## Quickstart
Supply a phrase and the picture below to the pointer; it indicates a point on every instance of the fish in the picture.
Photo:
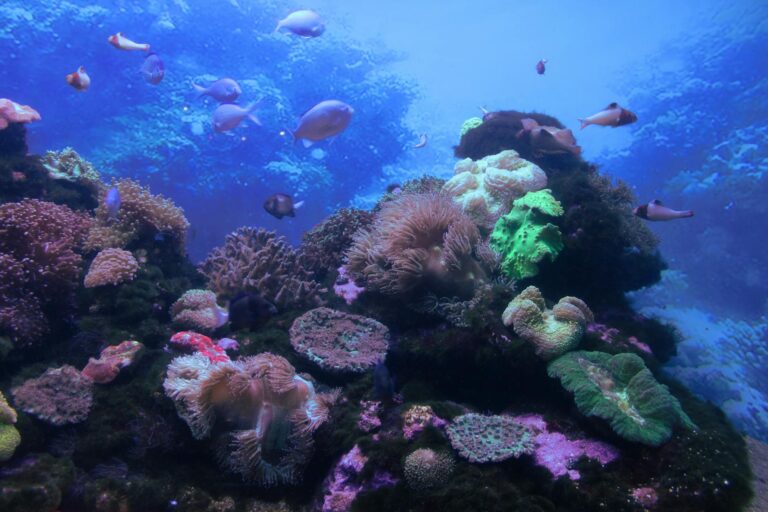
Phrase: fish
(228, 116)
(281, 205)
(383, 383)
(249, 310)
(613, 115)
(395, 189)
(79, 79)
(549, 139)
(224, 90)
(153, 69)
(657, 212)
(540, 66)
(422, 141)
(487, 114)
(326, 119)
(112, 203)
(304, 23)
(121, 42)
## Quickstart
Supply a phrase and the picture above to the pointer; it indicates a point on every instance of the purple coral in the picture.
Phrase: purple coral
(345, 287)
(344, 483)
(339, 341)
(60, 396)
(369, 415)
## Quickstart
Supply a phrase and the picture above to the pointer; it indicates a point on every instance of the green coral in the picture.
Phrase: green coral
(621, 390)
(480, 438)
(9, 436)
(472, 122)
(523, 237)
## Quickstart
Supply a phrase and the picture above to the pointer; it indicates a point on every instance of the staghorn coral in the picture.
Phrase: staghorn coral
(67, 165)
(426, 469)
(622, 391)
(258, 260)
(198, 310)
(339, 341)
(9, 436)
(480, 438)
(60, 396)
(111, 266)
(552, 331)
(141, 214)
(486, 188)
(273, 412)
(420, 243)
(322, 247)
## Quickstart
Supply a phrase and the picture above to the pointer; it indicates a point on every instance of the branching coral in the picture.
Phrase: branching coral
(552, 331)
(622, 391)
(322, 247)
(258, 260)
(417, 244)
(480, 438)
(272, 411)
(524, 237)
(111, 266)
(141, 214)
(198, 310)
(60, 396)
(486, 188)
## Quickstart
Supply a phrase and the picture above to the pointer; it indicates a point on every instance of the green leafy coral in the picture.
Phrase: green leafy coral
(524, 236)
(621, 390)
(9, 436)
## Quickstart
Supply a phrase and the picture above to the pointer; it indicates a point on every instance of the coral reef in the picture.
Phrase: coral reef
(111, 266)
(258, 260)
(323, 247)
(480, 438)
(552, 331)
(346, 288)
(198, 310)
(12, 112)
(345, 482)
(486, 188)
(419, 417)
(67, 165)
(427, 469)
(9, 436)
(338, 341)
(621, 390)
(111, 360)
(60, 396)
(524, 236)
(200, 344)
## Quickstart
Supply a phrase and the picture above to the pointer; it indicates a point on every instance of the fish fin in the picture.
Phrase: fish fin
(690, 213)
(657, 202)
(529, 124)
(484, 110)
(298, 205)
(200, 90)
(307, 143)
(278, 27)
(146, 48)
(584, 123)
(613, 105)
(254, 119)
(81, 69)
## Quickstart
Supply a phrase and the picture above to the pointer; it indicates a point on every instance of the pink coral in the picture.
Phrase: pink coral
(12, 112)
(196, 342)
(344, 483)
(111, 266)
(345, 287)
(111, 360)
(60, 396)
(369, 415)
(197, 309)
(645, 496)
(419, 417)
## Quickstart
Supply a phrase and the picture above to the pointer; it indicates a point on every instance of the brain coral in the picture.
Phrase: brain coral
(480, 438)
(427, 469)
(60, 396)
(523, 237)
(486, 188)
(339, 341)
(420, 243)
(271, 412)
(622, 391)
(552, 331)
(198, 310)
(258, 260)
(111, 266)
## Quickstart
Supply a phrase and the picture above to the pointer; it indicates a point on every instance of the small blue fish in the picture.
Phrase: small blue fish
(153, 69)
(224, 90)
(112, 203)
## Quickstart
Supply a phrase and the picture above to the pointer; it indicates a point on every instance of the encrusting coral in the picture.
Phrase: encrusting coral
(552, 331)
(69, 166)
(479, 438)
(258, 260)
(60, 396)
(486, 188)
(198, 310)
(9, 436)
(111, 266)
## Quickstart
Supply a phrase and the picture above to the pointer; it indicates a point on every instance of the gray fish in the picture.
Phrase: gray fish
(224, 90)
(281, 205)
(229, 116)
(112, 203)
(303, 23)
(326, 119)
(657, 211)
(153, 69)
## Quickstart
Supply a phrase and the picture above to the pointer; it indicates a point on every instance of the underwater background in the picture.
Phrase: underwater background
(688, 299)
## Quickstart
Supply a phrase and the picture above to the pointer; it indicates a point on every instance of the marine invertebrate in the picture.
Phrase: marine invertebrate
(369, 415)
(622, 391)
(271, 410)
(199, 343)
(345, 287)
(258, 260)
(486, 188)
(470, 124)
(67, 165)
(419, 417)
(524, 236)
(552, 331)
(427, 469)
(198, 310)
(12, 112)
(9, 436)
(345, 482)
(141, 214)
(420, 243)
(479, 438)
(60, 396)
(338, 341)
(111, 360)
(323, 247)
(111, 266)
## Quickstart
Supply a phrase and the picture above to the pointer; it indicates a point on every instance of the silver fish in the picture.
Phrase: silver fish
(303, 23)
(224, 90)
(228, 116)
(326, 119)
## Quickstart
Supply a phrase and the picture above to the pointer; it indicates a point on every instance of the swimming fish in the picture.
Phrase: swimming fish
(326, 119)
(613, 115)
(303, 23)
(112, 203)
(79, 79)
(121, 42)
(487, 114)
(422, 141)
(657, 211)
(249, 310)
(228, 116)
(153, 69)
(224, 90)
(540, 66)
(549, 139)
(281, 205)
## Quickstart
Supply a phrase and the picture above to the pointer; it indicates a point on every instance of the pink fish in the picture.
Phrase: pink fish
(613, 115)
(540, 66)
(657, 211)
(121, 42)
(228, 116)
(303, 23)
(422, 141)
(79, 79)
(549, 139)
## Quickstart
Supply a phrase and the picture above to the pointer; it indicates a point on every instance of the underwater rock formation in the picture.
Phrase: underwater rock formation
(111, 266)
(9, 436)
(479, 438)
(198, 310)
(258, 260)
(60, 396)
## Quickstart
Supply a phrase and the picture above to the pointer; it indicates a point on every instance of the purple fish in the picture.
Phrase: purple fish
(304, 23)
(229, 116)
(540, 66)
(326, 119)
(153, 69)
(657, 211)
(224, 90)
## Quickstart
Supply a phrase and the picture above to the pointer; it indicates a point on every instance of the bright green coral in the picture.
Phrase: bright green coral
(552, 331)
(524, 237)
(621, 390)
(9, 436)
(472, 122)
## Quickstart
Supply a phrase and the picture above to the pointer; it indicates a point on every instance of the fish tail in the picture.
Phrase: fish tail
(298, 205)
(277, 28)
(145, 47)
(584, 123)
(200, 90)
(689, 213)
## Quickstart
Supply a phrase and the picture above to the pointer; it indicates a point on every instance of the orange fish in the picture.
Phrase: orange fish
(121, 42)
(79, 79)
